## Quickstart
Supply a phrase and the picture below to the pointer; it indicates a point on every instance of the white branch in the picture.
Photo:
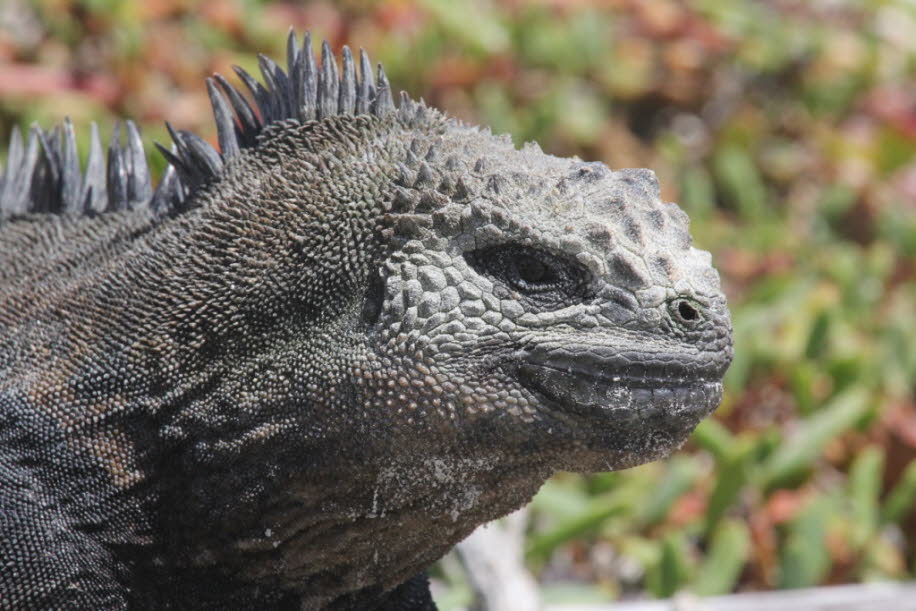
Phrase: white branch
(493, 559)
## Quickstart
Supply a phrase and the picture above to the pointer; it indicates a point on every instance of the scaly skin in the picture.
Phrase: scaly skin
(366, 337)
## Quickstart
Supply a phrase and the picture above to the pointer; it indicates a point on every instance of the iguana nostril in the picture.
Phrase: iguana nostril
(687, 312)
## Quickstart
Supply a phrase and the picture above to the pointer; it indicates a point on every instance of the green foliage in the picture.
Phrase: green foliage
(673, 568)
(797, 454)
(804, 558)
(728, 551)
(784, 129)
(902, 497)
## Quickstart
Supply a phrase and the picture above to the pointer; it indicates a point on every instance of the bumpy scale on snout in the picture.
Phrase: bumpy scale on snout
(554, 300)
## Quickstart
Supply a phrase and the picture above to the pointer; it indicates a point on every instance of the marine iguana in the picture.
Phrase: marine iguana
(301, 368)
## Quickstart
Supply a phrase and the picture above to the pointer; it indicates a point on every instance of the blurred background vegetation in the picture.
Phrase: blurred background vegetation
(786, 129)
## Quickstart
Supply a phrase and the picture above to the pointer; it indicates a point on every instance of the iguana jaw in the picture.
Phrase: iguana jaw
(676, 399)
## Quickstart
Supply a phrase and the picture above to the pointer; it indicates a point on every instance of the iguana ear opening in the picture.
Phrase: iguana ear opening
(374, 299)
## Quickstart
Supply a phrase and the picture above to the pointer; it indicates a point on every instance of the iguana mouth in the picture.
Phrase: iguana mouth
(635, 393)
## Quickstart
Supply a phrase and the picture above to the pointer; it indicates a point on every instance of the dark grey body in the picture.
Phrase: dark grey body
(298, 377)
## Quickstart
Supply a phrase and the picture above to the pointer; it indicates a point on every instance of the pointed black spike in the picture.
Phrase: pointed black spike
(328, 84)
(277, 86)
(9, 196)
(139, 185)
(94, 192)
(225, 125)
(13, 154)
(419, 111)
(383, 103)
(71, 178)
(248, 81)
(117, 172)
(347, 100)
(261, 97)
(48, 141)
(46, 179)
(25, 174)
(292, 69)
(191, 173)
(201, 154)
(47, 174)
(268, 72)
(170, 193)
(72, 188)
(180, 150)
(292, 50)
(269, 89)
(406, 108)
(284, 92)
(186, 175)
(249, 124)
(309, 81)
(366, 90)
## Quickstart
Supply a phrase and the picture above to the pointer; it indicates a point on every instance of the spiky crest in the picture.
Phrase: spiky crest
(43, 174)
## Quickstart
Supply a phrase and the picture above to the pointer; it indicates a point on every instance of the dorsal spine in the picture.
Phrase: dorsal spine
(43, 174)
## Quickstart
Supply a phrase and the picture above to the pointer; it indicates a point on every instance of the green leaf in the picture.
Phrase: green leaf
(669, 575)
(741, 182)
(725, 559)
(697, 192)
(803, 378)
(713, 437)
(680, 477)
(819, 336)
(900, 501)
(804, 559)
(864, 487)
(484, 33)
(790, 461)
(589, 518)
(731, 479)
(561, 498)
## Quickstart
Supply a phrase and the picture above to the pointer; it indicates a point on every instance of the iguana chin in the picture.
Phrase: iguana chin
(300, 369)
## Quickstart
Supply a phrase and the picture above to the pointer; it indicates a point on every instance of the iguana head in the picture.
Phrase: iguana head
(554, 300)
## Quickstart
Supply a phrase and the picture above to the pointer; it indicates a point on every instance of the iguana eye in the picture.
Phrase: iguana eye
(530, 271)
